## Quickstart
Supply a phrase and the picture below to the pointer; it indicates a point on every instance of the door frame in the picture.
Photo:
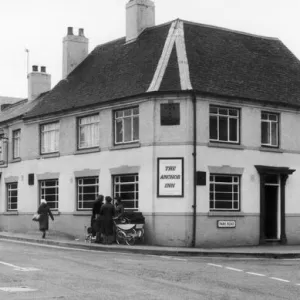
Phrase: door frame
(283, 173)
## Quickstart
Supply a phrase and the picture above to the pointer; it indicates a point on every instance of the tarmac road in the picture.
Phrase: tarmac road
(29, 271)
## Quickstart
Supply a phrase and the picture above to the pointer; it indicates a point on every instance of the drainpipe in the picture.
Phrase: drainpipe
(194, 206)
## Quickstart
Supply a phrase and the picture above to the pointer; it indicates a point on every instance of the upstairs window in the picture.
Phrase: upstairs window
(88, 132)
(49, 138)
(269, 129)
(224, 124)
(126, 124)
(16, 135)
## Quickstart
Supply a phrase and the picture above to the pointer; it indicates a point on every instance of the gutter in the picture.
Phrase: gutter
(194, 206)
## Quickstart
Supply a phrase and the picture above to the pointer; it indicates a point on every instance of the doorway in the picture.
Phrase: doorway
(272, 207)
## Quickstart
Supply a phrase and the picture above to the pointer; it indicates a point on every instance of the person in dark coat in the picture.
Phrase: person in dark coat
(96, 218)
(107, 212)
(44, 212)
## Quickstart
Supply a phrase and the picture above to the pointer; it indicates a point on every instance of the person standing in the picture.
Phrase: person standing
(107, 211)
(96, 218)
(119, 209)
(44, 212)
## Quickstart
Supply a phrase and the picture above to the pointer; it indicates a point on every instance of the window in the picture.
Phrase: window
(87, 192)
(49, 137)
(12, 196)
(224, 124)
(269, 129)
(127, 187)
(2, 145)
(224, 192)
(16, 135)
(88, 132)
(126, 125)
(169, 114)
(49, 192)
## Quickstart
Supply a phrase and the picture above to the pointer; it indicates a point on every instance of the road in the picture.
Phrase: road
(29, 271)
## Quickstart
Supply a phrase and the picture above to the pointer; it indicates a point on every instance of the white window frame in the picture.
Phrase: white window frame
(47, 146)
(16, 137)
(119, 117)
(43, 192)
(10, 189)
(235, 181)
(91, 125)
(80, 195)
(217, 115)
(270, 122)
(117, 182)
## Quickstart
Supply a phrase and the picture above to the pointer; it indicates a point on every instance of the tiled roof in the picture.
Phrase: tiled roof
(8, 100)
(179, 56)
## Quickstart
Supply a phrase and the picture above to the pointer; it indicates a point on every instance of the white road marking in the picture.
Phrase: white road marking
(257, 274)
(214, 265)
(17, 268)
(279, 279)
(17, 289)
(234, 269)
(166, 257)
(180, 259)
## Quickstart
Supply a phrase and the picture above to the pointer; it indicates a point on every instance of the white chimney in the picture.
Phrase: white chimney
(38, 82)
(75, 50)
(140, 14)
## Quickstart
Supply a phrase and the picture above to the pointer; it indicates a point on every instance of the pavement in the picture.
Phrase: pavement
(61, 240)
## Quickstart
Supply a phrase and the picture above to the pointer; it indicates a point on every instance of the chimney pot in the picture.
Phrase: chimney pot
(35, 68)
(43, 69)
(81, 32)
(70, 30)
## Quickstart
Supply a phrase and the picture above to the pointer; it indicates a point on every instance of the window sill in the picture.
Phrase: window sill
(11, 213)
(55, 212)
(83, 213)
(125, 146)
(226, 145)
(49, 155)
(15, 160)
(270, 149)
(87, 150)
(226, 214)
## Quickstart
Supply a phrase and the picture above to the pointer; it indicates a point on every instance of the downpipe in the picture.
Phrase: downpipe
(194, 206)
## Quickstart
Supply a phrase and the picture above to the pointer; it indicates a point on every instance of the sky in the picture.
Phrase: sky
(40, 25)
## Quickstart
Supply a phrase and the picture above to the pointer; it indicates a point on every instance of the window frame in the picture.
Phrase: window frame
(270, 124)
(77, 192)
(78, 131)
(238, 133)
(43, 196)
(14, 139)
(136, 192)
(41, 137)
(8, 197)
(214, 209)
(132, 132)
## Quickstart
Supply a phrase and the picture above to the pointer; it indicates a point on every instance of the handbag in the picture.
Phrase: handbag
(36, 217)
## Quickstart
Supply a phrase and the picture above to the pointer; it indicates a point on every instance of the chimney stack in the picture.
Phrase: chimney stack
(140, 14)
(38, 82)
(75, 50)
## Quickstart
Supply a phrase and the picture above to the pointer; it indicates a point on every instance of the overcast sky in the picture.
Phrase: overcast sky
(40, 25)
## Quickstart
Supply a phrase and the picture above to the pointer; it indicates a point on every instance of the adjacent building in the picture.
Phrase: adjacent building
(195, 126)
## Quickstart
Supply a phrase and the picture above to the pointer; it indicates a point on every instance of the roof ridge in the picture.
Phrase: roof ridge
(231, 30)
(15, 104)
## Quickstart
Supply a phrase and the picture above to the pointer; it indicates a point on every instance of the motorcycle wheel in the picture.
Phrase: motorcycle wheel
(120, 237)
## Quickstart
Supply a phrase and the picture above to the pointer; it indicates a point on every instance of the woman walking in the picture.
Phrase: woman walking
(44, 212)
